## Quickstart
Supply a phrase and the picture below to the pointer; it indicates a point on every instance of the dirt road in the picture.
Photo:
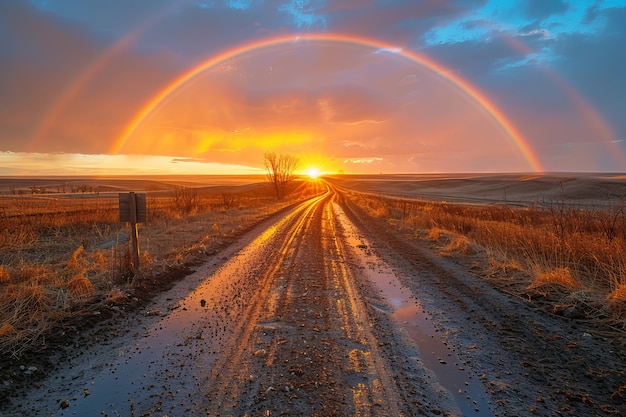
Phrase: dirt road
(326, 312)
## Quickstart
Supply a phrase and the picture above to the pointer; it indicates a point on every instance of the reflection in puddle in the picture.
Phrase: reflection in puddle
(165, 370)
(436, 355)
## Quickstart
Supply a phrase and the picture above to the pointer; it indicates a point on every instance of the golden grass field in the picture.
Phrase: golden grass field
(555, 239)
(63, 250)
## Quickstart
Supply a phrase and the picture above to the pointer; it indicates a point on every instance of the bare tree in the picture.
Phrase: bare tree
(185, 199)
(280, 171)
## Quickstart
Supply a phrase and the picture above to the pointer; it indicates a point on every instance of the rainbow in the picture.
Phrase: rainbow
(97, 66)
(604, 131)
(474, 93)
(70, 94)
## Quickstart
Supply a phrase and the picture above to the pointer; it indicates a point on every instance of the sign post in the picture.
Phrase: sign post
(133, 211)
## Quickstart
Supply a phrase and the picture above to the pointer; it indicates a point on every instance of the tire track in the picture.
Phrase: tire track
(305, 345)
(228, 382)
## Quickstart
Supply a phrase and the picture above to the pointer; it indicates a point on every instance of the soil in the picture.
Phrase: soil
(321, 311)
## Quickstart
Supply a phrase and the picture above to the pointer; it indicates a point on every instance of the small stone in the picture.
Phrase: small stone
(65, 403)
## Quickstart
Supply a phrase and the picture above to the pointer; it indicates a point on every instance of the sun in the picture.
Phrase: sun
(313, 172)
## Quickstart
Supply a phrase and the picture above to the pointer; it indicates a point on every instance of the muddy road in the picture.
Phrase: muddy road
(326, 312)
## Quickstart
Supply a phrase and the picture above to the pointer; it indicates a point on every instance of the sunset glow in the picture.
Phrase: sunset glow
(465, 91)
(313, 172)
(377, 48)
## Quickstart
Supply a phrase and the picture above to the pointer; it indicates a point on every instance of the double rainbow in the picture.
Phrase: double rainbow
(471, 91)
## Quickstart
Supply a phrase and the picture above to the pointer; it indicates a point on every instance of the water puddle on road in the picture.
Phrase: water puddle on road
(436, 355)
(166, 369)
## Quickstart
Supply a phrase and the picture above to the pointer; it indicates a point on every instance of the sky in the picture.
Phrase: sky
(348, 86)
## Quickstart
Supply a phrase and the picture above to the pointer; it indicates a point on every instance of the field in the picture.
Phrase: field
(558, 237)
(533, 264)
(63, 247)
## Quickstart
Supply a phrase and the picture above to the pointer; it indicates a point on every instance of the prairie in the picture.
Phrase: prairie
(524, 271)
(64, 252)
(555, 239)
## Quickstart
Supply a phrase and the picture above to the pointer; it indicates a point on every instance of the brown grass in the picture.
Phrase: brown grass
(434, 234)
(80, 287)
(52, 261)
(530, 248)
(75, 261)
(7, 330)
(560, 276)
(460, 245)
(4, 275)
(619, 293)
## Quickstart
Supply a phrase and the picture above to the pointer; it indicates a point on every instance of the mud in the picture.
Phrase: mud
(326, 311)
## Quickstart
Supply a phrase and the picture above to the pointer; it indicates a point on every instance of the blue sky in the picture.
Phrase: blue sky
(75, 72)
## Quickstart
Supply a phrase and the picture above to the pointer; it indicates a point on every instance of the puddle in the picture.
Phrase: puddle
(166, 369)
(436, 355)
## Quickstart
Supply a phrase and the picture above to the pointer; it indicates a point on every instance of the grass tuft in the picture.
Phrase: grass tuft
(618, 294)
(4, 275)
(116, 296)
(80, 287)
(461, 245)
(75, 263)
(146, 258)
(7, 330)
(435, 234)
(556, 277)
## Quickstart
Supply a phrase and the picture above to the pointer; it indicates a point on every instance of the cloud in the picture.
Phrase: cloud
(74, 74)
(594, 64)
(541, 9)
(351, 5)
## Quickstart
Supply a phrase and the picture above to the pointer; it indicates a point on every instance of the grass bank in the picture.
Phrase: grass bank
(568, 259)
(63, 256)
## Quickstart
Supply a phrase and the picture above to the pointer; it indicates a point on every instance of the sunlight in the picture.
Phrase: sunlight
(313, 172)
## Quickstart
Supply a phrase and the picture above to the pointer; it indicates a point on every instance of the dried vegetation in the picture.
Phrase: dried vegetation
(567, 258)
(63, 256)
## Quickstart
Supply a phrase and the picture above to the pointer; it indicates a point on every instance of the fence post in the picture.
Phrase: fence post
(134, 232)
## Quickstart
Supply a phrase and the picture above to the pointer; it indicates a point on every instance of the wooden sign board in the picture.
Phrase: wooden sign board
(126, 215)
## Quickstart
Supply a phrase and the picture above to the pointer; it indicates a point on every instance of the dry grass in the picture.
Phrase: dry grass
(556, 277)
(75, 262)
(571, 249)
(7, 330)
(618, 294)
(67, 252)
(460, 245)
(80, 287)
(434, 234)
(4, 275)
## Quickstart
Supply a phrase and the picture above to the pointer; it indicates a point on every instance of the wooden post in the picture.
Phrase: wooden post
(134, 232)
(133, 211)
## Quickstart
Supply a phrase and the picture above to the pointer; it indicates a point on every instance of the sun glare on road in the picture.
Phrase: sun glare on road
(313, 173)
